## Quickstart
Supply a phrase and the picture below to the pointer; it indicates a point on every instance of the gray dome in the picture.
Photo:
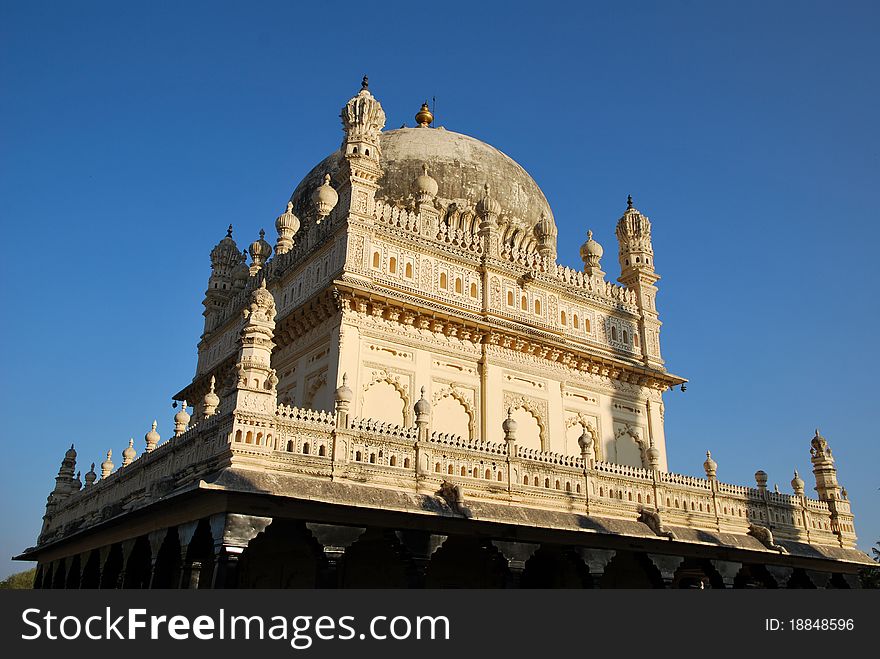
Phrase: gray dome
(461, 165)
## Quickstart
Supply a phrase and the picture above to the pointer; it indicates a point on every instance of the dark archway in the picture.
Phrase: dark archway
(556, 567)
(91, 576)
(167, 570)
(754, 576)
(140, 565)
(73, 574)
(631, 570)
(799, 579)
(466, 563)
(285, 555)
(59, 575)
(199, 567)
(112, 567)
(697, 573)
(376, 560)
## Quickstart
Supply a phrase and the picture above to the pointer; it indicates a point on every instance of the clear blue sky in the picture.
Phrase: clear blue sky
(131, 134)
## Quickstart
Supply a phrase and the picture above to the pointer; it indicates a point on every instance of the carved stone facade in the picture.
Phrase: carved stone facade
(412, 349)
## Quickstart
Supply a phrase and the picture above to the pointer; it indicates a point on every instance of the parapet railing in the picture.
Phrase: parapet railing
(494, 470)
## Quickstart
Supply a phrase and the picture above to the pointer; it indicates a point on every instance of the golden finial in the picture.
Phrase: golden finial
(424, 116)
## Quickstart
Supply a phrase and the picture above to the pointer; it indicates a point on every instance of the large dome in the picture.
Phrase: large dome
(461, 165)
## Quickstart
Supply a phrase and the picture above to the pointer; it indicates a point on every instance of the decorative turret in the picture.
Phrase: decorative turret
(181, 420)
(591, 254)
(129, 454)
(761, 480)
(488, 208)
(260, 252)
(424, 117)
(225, 258)
(107, 465)
(545, 232)
(710, 466)
(362, 120)
(212, 400)
(65, 481)
(152, 438)
(241, 273)
(634, 238)
(286, 224)
(325, 199)
(653, 455)
(509, 426)
(588, 449)
(797, 484)
(256, 385)
(343, 397)
(636, 257)
(824, 469)
(425, 187)
(91, 476)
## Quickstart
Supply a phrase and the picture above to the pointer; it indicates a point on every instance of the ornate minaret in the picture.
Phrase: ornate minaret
(829, 489)
(255, 390)
(66, 483)
(225, 258)
(637, 273)
(362, 120)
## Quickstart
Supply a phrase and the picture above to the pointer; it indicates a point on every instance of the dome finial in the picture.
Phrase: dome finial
(424, 117)
(229, 232)
(365, 83)
(629, 201)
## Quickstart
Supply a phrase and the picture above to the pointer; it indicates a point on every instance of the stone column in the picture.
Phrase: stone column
(517, 555)
(596, 561)
(189, 571)
(334, 541)
(420, 545)
(728, 571)
(667, 565)
(781, 574)
(232, 533)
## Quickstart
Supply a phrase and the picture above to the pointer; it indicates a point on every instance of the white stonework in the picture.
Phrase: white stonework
(413, 331)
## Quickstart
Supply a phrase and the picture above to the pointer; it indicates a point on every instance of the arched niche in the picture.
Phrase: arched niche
(528, 431)
(384, 401)
(451, 415)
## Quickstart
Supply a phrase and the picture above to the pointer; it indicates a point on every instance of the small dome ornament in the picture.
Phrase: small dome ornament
(324, 198)
(588, 451)
(422, 406)
(424, 117)
(260, 252)
(425, 187)
(509, 426)
(129, 454)
(286, 224)
(241, 272)
(761, 479)
(91, 476)
(107, 465)
(797, 484)
(152, 438)
(344, 395)
(212, 400)
(488, 207)
(710, 466)
(653, 455)
(181, 420)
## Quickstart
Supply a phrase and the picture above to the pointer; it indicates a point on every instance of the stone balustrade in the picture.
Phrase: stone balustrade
(372, 450)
